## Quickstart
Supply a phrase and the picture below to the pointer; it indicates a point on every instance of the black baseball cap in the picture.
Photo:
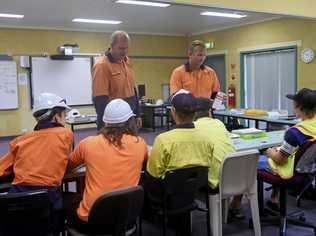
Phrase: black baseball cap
(305, 97)
(183, 101)
(203, 104)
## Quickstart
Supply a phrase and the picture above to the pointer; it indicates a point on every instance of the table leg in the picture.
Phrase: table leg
(257, 124)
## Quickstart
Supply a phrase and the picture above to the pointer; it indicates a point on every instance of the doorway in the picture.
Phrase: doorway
(217, 63)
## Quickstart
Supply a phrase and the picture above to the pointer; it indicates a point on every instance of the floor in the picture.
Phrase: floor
(234, 228)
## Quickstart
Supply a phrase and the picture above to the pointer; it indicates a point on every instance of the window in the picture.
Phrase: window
(268, 77)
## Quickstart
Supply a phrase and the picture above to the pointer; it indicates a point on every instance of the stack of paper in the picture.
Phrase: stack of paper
(247, 131)
(232, 136)
(250, 133)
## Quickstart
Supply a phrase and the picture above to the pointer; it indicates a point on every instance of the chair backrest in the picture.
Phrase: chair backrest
(307, 158)
(118, 208)
(238, 173)
(181, 186)
(26, 213)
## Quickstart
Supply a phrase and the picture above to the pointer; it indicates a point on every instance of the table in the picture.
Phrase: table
(273, 138)
(77, 175)
(82, 120)
(150, 112)
(257, 119)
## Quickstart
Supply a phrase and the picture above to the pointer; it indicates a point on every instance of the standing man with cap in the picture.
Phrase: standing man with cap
(113, 159)
(113, 77)
(194, 76)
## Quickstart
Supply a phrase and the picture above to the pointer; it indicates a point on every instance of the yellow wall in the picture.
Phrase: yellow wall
(289, 7)
(152, 72)
(266, 34)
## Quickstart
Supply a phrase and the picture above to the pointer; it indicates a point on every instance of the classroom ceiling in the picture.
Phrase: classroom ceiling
(173, 20)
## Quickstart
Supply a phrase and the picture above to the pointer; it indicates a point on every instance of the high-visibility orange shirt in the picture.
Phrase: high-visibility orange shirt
(38, 158)
(113, 79)
(201, 83)
(107, 167)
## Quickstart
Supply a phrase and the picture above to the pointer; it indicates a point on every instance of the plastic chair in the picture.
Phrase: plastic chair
(178, 192)
(26, 213)
(113, 212)
(5, 183)
(238, 175)
(305, 165)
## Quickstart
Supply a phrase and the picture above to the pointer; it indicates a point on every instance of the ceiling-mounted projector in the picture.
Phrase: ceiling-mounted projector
(68, 49)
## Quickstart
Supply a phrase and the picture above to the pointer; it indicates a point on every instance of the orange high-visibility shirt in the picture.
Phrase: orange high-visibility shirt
(38, 158)
(107, 167)
(113, 79)
(201, 83)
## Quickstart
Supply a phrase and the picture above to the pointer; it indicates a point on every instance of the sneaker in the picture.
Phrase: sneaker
(236, 214)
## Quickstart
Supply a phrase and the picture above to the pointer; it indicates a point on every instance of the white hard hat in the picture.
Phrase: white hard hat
(47, 101)
(117, 111)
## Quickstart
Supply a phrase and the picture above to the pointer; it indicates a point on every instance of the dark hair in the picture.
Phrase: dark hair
(114, 134)
(203, 107)
(184, 103)
(184, 116)
(49, 117)
(305, 99)
(308, 111)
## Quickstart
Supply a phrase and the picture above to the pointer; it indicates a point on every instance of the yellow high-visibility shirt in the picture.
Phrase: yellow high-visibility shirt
(179, 149)
(218, 135)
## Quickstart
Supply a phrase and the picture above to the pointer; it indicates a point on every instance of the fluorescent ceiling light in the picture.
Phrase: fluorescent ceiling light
(222, 14)
(111, 22)
(11, 15)
(143, 3)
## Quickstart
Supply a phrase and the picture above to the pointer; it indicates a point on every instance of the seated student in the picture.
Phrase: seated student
(184, 146)
(218, 134)
(280, 160)
(113, 159)
(39, 159)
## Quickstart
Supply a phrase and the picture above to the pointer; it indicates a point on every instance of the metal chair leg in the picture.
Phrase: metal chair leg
(283, 200)
(208, 225)
(164, 226)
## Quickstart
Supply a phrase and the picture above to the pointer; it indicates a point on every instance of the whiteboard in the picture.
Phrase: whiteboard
(8, 85)
(69, 79)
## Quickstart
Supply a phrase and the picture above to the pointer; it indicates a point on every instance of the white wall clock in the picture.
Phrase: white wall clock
(307, 55)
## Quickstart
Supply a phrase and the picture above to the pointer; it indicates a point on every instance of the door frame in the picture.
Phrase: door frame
(220, 53)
